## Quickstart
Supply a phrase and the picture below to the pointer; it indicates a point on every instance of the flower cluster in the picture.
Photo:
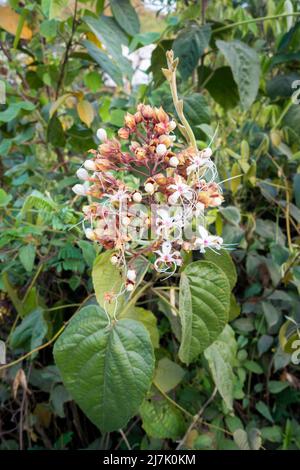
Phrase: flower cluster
(148, 195)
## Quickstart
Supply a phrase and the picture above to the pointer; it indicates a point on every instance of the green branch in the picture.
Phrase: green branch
(255, 20)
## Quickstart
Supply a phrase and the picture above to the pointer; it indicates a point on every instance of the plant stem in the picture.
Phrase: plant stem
(170, 75)
(255, 20)
(169, 399)
(196, 418)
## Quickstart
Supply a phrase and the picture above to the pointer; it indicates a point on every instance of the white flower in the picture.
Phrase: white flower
(82, 174)
(119, 196)
(181, 190)
(161, 149)
(206, 153)
(166, 256)
(199, 160)
(165, 223)
(207, 241)
(101, 134)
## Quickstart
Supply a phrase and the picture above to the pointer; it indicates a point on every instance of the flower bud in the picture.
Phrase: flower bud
(82, 174)
(149, 188)
(101, 134)
(130, 121)
(147, 111)
(79, 189)
(114, 260)
(161, 149)
(90, 165)
(172, 125)
(206, 153)
(138, 117)
(161, 115)
(174, 162)
(130, 287)
(131, 275)
(123, 133)
(137, 197)
(90, 234)
(216, 201)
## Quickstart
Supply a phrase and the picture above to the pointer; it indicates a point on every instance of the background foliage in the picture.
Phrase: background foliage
(65, 76)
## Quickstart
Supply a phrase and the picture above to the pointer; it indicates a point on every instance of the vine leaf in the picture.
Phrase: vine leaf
(106, 368)
(221, 359)
(245, 66)
(204, 301)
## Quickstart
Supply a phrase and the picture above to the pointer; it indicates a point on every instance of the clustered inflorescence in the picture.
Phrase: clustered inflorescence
(160, 208)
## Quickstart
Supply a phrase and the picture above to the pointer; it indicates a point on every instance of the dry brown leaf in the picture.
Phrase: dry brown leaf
(9, 21)
(20, 381)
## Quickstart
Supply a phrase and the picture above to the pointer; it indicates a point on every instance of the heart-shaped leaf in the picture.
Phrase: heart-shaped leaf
(107, 368)
(203, 307)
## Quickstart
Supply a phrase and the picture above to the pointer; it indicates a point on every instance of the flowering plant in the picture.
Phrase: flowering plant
(163, 211)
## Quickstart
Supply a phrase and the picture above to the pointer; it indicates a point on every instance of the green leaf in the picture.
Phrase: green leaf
(88, 251)
(280, 254)
(13, 294)
(37, 200)
(203, 307)
(126, 16)
(280, 86)
(296, 187)
(231, 214)
(27, 257)
(250, 440)
(93, 81)
(263, 409)
(14, 109)
(196, 110)
(29, 334)
(234, 309)
(48, 29)
(168, 374)
(106, 369)
(161, 419)
(276, 386)
(55, 132)
(189, 46)
(4, 198)
(254, 367)
(143, 39)
(272, 433)
(245, 66)
(222, 87)
(107, 278)
(148, 319)
(221, 357)
(108, 33)
(158, 61)
(223, 259)
(106, 64)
